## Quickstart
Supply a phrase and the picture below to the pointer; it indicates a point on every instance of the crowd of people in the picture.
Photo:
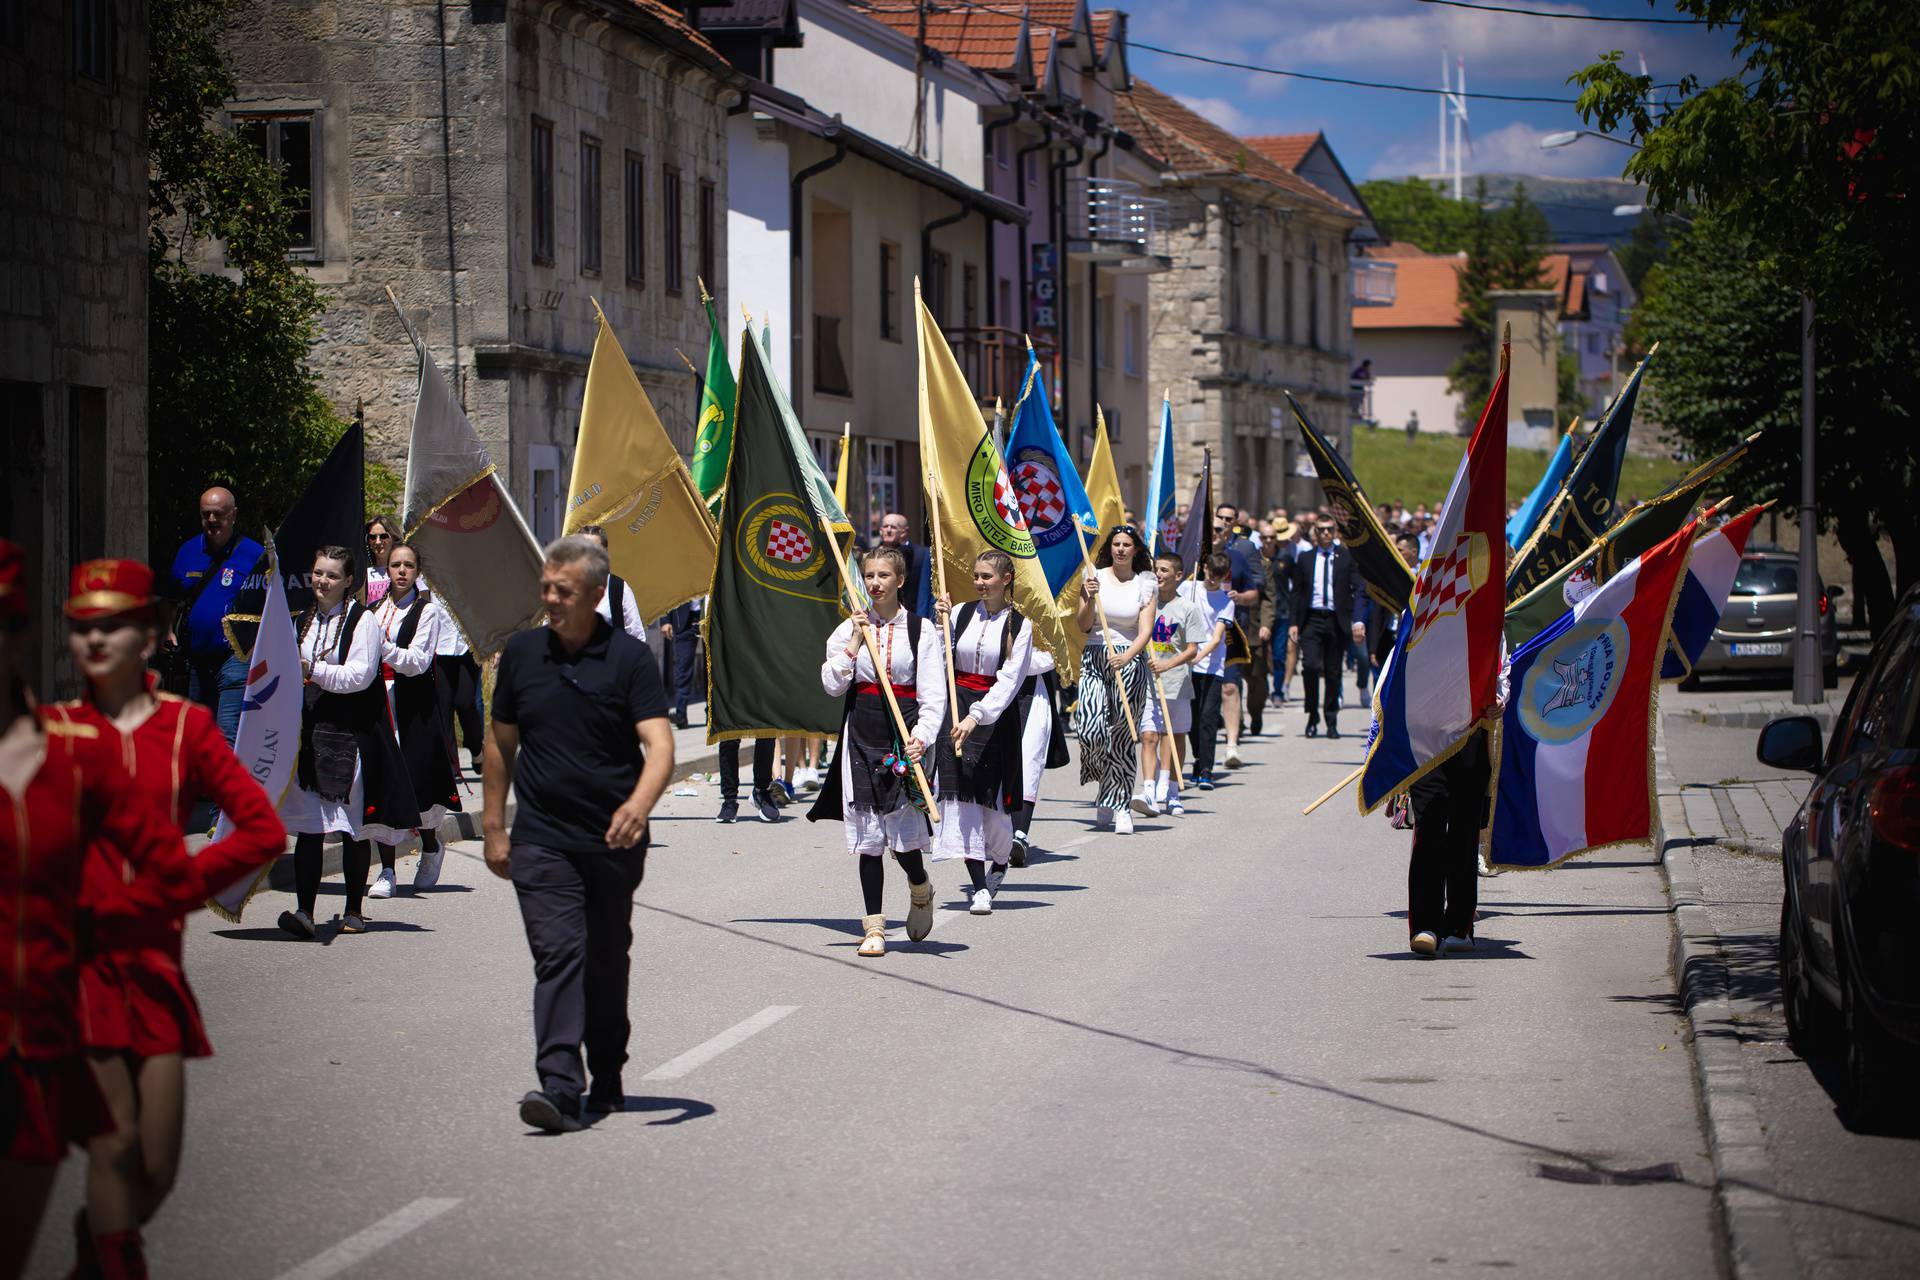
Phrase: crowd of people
(952, 715)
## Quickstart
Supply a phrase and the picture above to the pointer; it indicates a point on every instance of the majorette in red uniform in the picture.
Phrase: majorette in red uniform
(62, 785)
(136, 1010)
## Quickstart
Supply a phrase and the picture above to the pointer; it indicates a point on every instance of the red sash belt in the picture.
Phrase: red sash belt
(899, 690)
(386, 672)
(973, 680)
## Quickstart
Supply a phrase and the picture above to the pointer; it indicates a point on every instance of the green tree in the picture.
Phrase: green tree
(231, 398)
(1415, 211)
(1505, 251)
(1807, 162)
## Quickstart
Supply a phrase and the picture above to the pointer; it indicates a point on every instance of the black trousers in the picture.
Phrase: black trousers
(460, 686)
(1323, 653)
(687, 669)
(1206, 723)
(1253, 695)
(1443, 875)
(578, 909)
(730, 767)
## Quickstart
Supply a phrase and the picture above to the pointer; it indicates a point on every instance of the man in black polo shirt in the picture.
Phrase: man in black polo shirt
(580, 726)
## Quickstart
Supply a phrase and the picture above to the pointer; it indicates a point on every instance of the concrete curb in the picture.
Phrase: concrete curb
(465, 825)
(1753, 1218)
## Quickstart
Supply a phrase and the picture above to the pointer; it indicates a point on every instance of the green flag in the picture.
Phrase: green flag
(713, 437)
(776, 583)
(1650, 523)
(1585, 507)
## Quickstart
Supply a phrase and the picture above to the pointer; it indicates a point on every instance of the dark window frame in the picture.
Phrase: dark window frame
(889, 291)
(672, 238)
(707, 234)
(592, 255)
(93, 25)
(540, 193)
(273, 139)
(636, 246)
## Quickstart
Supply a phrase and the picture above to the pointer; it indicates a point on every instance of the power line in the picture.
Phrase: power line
(1570, 17)
(935, 6)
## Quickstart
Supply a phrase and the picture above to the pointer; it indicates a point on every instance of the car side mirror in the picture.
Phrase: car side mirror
(1834, 593)
(1791, 742)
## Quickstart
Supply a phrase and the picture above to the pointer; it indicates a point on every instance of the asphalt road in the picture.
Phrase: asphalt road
(1852, 1200)
(1200, 1049)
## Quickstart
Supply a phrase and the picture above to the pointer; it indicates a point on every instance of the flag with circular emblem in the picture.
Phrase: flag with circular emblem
(775, 595)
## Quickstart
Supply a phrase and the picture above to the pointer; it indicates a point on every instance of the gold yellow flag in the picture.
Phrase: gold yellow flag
(840, 477)
(973, 501)
(1103, 482)
(629, 479)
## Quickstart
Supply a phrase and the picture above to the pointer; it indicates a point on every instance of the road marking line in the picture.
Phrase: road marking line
(357, 1248)
(703, 1053)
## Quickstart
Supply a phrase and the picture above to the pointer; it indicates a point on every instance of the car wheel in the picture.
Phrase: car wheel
(1812, 1023)
(1875, 1095)
(1689, 682)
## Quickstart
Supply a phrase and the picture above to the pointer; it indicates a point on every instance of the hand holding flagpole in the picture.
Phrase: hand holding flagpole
(884, 678)
(1106, 629)
(939, 556)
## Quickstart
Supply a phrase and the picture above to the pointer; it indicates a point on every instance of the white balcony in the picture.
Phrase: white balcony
(1374, 282)
(1112, 222)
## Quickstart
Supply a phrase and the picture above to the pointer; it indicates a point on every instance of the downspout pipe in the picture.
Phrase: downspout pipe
(1093, 288)
(1057, 179)
(796, 234)
(926, 249)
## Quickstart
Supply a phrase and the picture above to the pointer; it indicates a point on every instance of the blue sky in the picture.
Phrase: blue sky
(1380, 134)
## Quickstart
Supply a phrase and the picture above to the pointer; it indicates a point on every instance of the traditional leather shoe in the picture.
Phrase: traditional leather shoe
(1313, 728)
(1018, 855)
(875, 941)
(297, 923)
(920, 909)
(541, 1112)
(1424, 943)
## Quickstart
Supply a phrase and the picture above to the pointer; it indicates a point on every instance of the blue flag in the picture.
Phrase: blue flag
(1520, 527)
(1049, 489)
(1159, 509)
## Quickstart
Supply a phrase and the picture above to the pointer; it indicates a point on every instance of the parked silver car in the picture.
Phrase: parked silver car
(1755, 635)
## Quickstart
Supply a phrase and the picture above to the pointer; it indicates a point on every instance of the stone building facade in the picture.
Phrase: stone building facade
(73, 317)
(1258, 304)
(499, 175)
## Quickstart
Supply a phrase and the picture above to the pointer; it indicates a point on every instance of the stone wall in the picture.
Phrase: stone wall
(427, 189)
(73, 317)
(1227, 374)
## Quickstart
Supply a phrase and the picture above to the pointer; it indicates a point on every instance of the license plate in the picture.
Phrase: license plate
(1773, 650)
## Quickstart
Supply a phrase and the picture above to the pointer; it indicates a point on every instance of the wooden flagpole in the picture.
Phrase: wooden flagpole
(1335, 789)
(1106, 632)
(884, 678)
(933, 507)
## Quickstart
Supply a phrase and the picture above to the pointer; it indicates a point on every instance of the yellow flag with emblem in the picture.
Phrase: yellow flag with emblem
(969, 494)
(1103, 481)
(629, 479)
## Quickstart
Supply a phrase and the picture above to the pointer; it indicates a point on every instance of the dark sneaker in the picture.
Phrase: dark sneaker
(1018, 855)
(764, 804)
(1203, 783)
(729, 811)
(353, 922)
(539, 1111)
(297, 923)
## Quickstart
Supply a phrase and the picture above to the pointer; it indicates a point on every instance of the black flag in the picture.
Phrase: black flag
(1196, 539)
(1387, 576)
(332, 512)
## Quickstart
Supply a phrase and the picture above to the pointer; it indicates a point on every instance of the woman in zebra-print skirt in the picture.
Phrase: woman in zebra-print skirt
(1116, 608)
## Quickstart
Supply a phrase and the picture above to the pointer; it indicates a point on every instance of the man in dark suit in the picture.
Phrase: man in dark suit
(1323, 590)
(682, 630)
(917, 592)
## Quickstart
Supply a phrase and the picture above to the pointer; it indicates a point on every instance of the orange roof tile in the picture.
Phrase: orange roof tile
(1427, 288)
(1187, 142)
(1285, 149)
(671, 16)
(988, 39)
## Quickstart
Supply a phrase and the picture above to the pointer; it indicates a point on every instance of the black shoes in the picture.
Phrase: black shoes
(352, 922)
(1313, 728)
(538, 1111)
(297, 923)
(764, 804)
(1333, 730)
(679, 719)
(1018, 856)
(729, 810)
(606, 1097)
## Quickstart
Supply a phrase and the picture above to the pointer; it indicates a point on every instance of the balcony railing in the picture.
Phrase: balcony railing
(1113, 218)
(994, 360)
(1375, 283)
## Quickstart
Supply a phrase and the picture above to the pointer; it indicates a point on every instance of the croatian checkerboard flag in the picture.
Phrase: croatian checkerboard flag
(1703, 596)
(1576, 741)
(1047, 485)
(1441, 678)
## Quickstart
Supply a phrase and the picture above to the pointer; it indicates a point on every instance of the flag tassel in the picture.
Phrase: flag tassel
(884, 680)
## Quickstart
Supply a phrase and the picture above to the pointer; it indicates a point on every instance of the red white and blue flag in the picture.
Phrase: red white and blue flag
(1442, 677)
(1703, 597)
(1576, 749)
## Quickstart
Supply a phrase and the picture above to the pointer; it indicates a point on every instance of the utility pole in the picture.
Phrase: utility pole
(1809, 685)
(919, 147)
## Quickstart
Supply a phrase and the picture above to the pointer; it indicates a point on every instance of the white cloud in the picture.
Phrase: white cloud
(1514, 148)
(1221, 112)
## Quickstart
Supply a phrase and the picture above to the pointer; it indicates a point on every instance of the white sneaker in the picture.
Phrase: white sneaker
(982, 902)
(382, 886)
(427, 874)
(1123, 823)
(1424, 943)
(1233, 758)
(1103, 818)
(1144, 806)
(1177, 809)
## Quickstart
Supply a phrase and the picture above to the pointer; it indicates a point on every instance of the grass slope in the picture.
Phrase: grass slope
(1393, 469)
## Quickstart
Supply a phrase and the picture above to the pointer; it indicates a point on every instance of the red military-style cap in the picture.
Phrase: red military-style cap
(13, 581)
(103, 588)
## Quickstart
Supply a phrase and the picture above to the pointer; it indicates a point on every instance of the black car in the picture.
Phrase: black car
(1850, 922)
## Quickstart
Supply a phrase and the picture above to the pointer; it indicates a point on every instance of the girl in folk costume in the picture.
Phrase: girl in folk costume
(1120, 593)
(351, 780)
(138, 1018)
(412, 625)
(63, 784)
(978, 759)
(383, 534)
(870, 785)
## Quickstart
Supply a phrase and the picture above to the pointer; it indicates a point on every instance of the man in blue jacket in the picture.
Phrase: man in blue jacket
(208, 572)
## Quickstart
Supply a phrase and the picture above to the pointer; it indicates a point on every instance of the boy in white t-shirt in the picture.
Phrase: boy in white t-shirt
(1178, 628)
(1214, 601)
